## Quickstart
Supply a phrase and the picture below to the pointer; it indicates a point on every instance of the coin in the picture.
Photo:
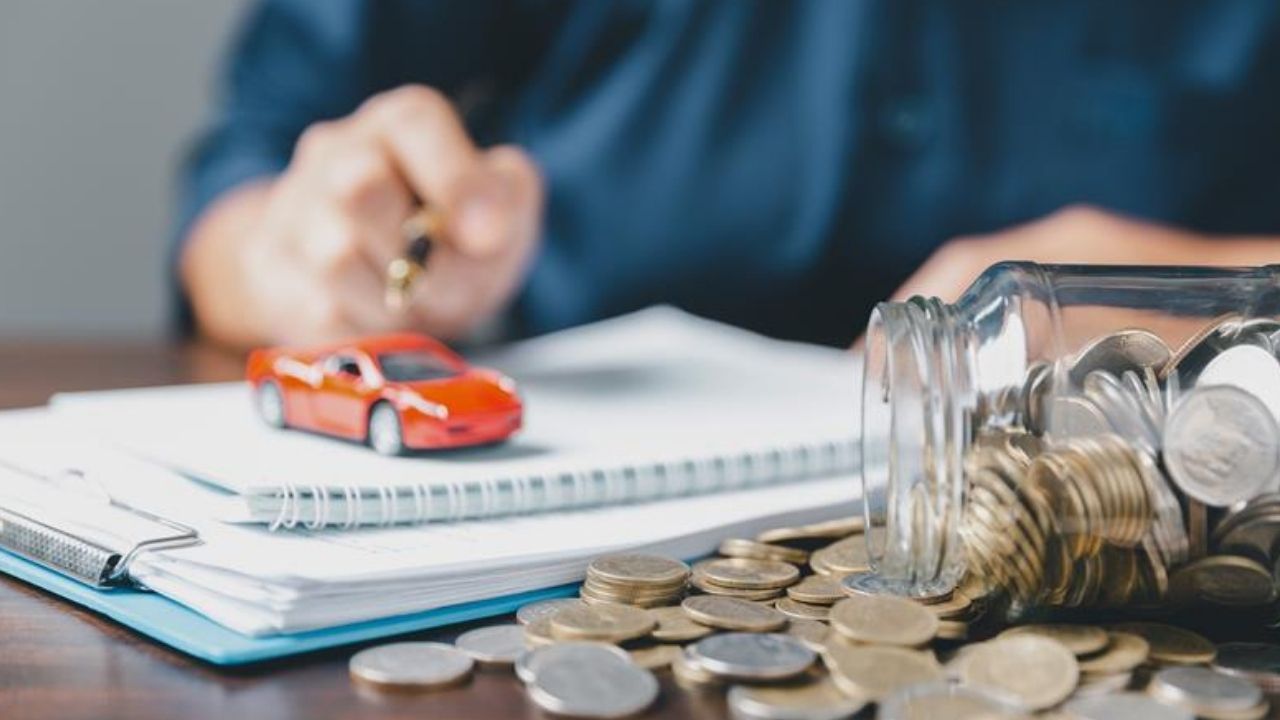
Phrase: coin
(575, 686)
(817, 590)
(732, 613)
(876, 671)
(810, 632)
(1038, 672)
(655, 657)
(691, 676)
(953, 630)
(675, 625)
(1123, 706)
(1221, 445)
(793, 609)
(746, 574)
(538, 632)
(1124, 652)
(815, 531)
(1224, 580)
(1257, 662)
(847, 555)
(1206, 692)
(811, 700)
(1131, 349)
(955, 608)
(1249, 368)
(883, 619)
(638, 569)
(870, 583)
(753, 550)
(1185, 364)
(1171, 645)
(493, 645)
(543, 608)
(411, 666)
(1079, 639)
(530, 661)
(700, 581)
(605, 623)
(752, 656)
(934, 701)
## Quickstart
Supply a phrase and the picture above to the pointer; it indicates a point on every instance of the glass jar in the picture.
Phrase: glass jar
(1061, 424)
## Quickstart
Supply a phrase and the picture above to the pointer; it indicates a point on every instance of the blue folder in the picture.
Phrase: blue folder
(184, 629)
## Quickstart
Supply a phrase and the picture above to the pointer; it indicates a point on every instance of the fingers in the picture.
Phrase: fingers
(484, 196)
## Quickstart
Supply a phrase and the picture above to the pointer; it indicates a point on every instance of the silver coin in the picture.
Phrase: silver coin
(1221, 445)
(1207, 690)
(752, 656)
(1123, 706)
(1120, 351)
(579, 685)
(412, 664)
(1249, 368)
(543, 609)
(493, 645)
(1256, 662)
(529, 662)
(1072, 417)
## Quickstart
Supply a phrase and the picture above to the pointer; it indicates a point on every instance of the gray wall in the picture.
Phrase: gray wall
(96, 99)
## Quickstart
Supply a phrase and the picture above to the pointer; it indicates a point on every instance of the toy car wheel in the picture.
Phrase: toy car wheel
(270, 403)
(385, 435)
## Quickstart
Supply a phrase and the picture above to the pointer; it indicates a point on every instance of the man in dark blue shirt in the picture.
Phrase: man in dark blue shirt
(778, 165)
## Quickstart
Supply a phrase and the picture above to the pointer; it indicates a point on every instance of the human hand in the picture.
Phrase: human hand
(1075, 234)
(307, 253)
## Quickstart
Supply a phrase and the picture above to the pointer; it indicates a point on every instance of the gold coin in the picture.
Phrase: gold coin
(1171, 645)
(749, 574)
(812, 698)
(810, 632)
(1037, 671)
(1224, 580)
(953, 630)
(733, 613)
(690, 675)
(815, 531)
(603, 623)
(845, 556)
(1079, 639)
(953, 609)
(537, 632)
(804, 611)
(752, 550)
(875, 671)
(700, 581)
(674, 625)
(817, 590)
(656, 657)
(883, 620)
(638, 569)
(1124, 652)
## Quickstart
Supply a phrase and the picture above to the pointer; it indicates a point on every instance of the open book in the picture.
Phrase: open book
(653, 405)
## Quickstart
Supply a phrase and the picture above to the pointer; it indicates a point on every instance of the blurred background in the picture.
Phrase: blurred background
(85, 206)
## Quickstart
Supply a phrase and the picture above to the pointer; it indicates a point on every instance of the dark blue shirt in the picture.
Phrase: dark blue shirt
(783, 165)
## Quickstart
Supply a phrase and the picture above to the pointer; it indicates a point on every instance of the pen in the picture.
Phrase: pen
(419, 231)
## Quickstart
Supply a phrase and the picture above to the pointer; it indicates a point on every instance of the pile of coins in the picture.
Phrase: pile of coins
(827, 644)
(1132, 475)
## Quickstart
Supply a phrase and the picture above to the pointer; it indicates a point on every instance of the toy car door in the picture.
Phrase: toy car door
(339, 402)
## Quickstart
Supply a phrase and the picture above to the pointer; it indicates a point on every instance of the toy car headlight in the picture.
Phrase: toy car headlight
(426, 407)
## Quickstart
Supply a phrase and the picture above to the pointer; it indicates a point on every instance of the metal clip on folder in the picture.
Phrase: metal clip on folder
(101, 561)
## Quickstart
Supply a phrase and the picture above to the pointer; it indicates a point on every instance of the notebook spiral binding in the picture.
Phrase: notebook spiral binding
(314, 506)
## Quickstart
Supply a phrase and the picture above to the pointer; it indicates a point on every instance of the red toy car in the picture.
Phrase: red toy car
(395, 392)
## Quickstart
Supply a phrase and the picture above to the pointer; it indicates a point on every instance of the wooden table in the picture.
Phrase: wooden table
(59, 661)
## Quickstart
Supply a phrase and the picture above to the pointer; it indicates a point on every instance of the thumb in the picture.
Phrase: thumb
(498, 204)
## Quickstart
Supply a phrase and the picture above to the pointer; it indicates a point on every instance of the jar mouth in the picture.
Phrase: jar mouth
(916, 398)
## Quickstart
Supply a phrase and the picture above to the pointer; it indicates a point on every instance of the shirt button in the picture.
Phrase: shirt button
(907, 121)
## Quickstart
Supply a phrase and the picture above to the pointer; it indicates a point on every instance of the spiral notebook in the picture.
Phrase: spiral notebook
(652, 405)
